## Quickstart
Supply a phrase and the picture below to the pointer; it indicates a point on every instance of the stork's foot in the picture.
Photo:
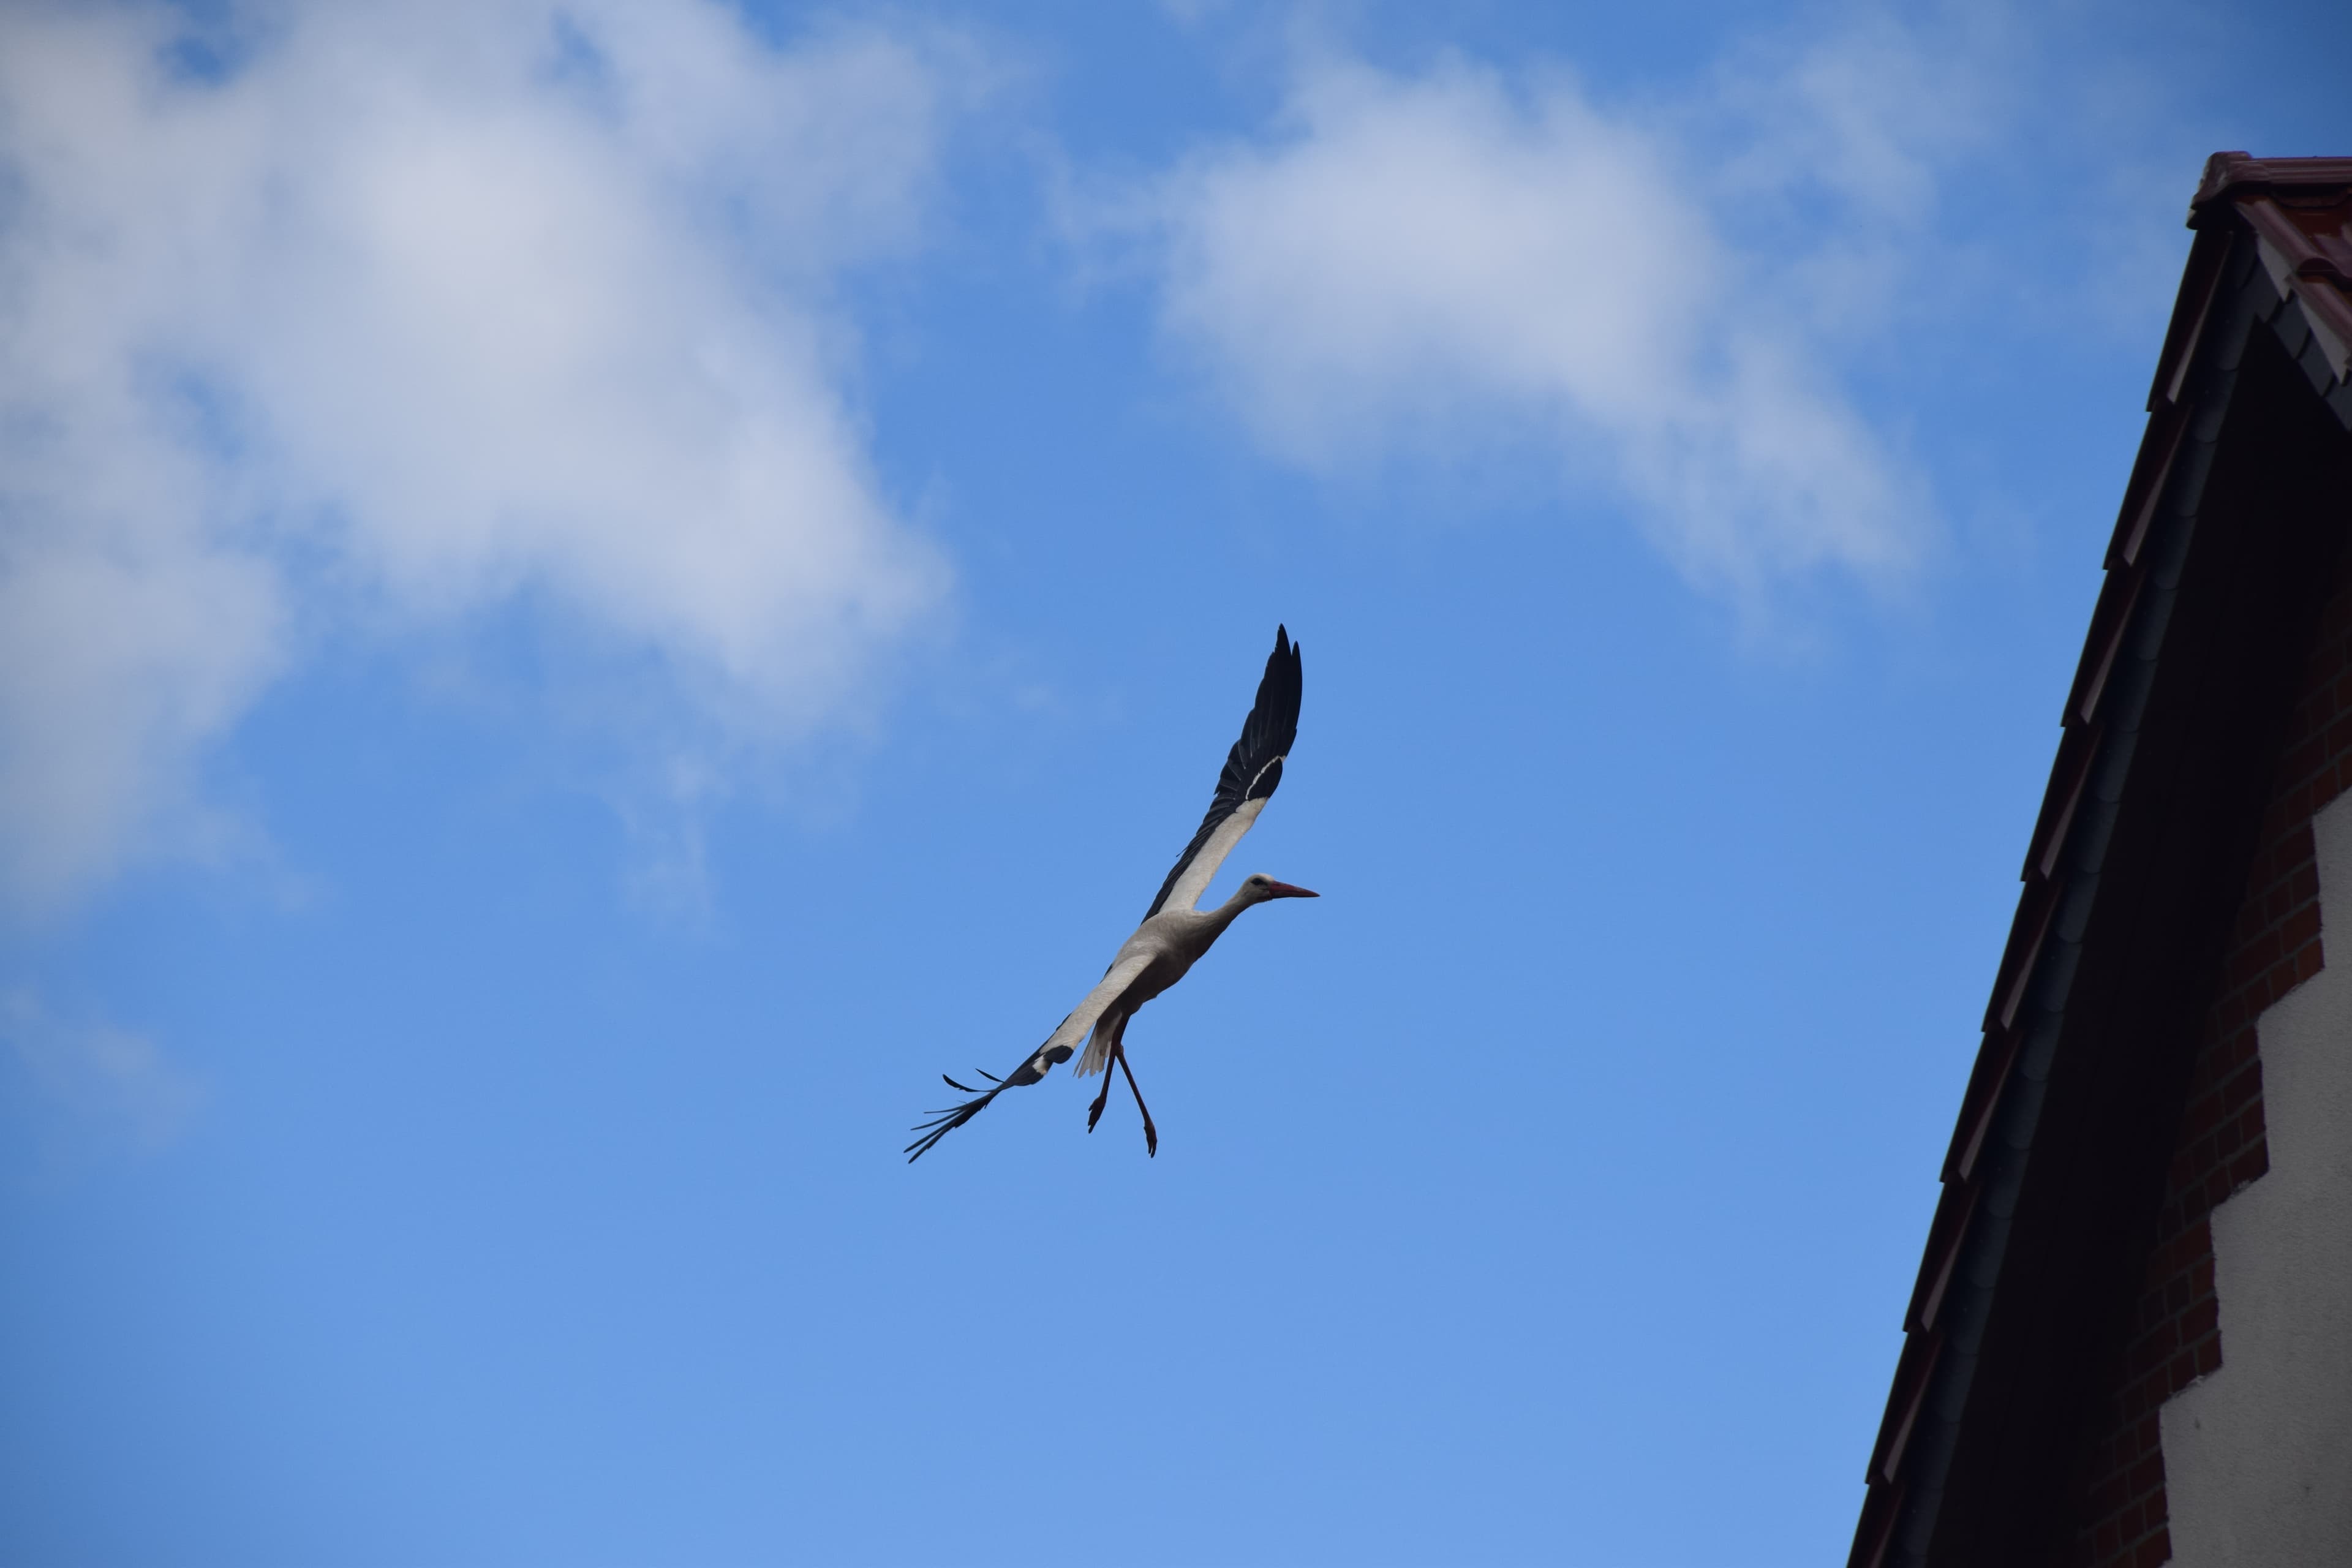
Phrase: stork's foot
(1150, 1138)
(1094, 1111)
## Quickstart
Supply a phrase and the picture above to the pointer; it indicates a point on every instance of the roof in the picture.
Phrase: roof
(2232, 523)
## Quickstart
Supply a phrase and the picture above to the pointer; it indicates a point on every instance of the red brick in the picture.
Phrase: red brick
(2198, 1121)
(2313, 754)
(2227, 1140)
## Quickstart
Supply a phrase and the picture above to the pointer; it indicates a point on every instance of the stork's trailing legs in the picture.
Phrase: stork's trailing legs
(1094, 1111)
(1151, 1133)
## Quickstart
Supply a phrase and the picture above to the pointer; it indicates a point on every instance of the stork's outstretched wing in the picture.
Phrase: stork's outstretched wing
(1253, 772)
(1065, 1039)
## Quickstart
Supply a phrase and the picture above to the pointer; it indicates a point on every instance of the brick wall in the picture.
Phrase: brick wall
(2172, 1336)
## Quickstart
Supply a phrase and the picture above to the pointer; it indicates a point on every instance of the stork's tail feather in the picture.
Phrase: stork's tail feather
(943, 1122)
(1109, 1031)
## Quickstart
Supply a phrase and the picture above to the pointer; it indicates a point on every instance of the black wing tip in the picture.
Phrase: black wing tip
(1279, 696)
(943, 1122)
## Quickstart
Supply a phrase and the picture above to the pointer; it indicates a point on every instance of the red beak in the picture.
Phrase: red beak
(1284, 891)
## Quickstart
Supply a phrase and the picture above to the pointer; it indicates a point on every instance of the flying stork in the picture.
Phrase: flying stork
(1173, 934)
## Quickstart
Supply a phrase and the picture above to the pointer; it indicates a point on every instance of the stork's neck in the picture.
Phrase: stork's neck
(1226, 913)
(1189, 933)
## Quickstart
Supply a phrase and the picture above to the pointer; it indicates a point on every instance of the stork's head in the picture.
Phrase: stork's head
(1263, 888)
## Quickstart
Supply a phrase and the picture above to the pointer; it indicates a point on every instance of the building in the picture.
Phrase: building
(2131, 1338)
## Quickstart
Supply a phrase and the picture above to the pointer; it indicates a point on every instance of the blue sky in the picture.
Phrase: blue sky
(592, 594)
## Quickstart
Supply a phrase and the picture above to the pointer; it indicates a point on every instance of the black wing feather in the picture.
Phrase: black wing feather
(943, 1122)
(1254, 767)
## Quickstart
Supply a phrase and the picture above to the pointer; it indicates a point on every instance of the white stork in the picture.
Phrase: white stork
(1173, 934)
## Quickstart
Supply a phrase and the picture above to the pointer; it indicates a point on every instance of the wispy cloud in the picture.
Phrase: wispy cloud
(404, 311)
(1441, 261)
(2027, 165)
(1838, 145)
(114, 1081)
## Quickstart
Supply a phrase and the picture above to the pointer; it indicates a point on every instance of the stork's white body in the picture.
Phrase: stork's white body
(1162, 952)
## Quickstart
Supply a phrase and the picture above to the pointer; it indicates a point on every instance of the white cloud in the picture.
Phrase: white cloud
(1422, 261)
(117, 1082)
(410, 311)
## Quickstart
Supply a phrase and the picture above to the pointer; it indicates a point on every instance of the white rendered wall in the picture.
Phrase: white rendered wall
(2258, 1456)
